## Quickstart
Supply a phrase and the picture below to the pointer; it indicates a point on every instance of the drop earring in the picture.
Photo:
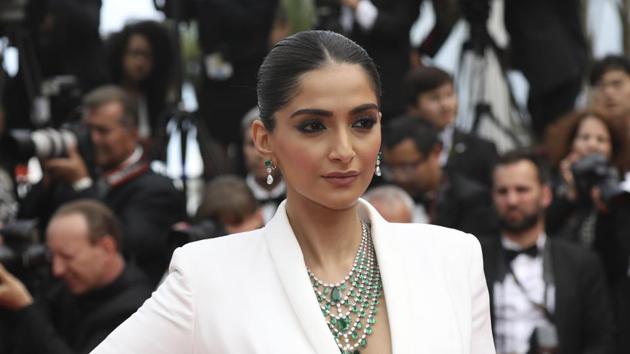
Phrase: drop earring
(270, 167)
(379, 157)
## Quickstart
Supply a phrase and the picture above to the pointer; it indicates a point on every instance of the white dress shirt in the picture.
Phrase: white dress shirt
(516, 316)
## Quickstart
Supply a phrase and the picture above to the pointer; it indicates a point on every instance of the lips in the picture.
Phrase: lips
(341, 178)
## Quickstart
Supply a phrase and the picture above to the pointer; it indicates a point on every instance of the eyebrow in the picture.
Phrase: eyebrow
(325, 113)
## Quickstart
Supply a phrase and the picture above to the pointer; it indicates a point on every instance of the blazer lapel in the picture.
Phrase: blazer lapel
(289, 262)
(404, 335)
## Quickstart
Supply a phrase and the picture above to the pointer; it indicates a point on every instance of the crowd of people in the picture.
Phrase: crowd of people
(552, 218)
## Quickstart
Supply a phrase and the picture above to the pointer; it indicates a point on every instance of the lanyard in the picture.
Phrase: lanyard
(540, 306)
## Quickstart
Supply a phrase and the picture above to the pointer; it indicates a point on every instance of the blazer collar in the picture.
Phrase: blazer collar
(289, 261)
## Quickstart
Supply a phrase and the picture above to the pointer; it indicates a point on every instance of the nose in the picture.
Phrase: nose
(342, 148)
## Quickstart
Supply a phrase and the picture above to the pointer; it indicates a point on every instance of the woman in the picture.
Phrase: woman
(141, 61)
(327, 274)
(591, 144)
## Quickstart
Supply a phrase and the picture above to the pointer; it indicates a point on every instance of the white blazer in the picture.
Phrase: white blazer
(250, 293)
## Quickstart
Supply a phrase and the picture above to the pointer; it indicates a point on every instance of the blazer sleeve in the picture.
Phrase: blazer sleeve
(165, 322)
(481, 341)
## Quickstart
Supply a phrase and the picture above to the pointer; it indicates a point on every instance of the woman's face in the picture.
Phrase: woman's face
(138, 58)
(592, 137)
(327, 137)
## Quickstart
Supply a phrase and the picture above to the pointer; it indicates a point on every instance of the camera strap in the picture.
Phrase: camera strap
(540, 306)
(548, 279)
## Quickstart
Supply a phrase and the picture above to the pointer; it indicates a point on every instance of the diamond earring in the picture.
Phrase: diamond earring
(379, 158)
(270, 167)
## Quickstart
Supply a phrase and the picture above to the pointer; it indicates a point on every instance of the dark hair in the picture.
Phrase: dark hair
(615, 140)
(422, 79)
(100, 220)
(424, 134)
(228, 200)
(157, 83)
(606, 64)
(298, 54)
(110, 93)
(514, 156)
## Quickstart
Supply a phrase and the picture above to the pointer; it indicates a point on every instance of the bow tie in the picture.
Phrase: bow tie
(511, 254)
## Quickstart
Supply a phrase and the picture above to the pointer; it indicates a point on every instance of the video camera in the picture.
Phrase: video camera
(595, 171)
(21, 250)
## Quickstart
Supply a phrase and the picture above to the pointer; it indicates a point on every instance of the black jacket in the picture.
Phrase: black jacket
(582, 313)
(62, 323)
(146, 204)
(472, 156)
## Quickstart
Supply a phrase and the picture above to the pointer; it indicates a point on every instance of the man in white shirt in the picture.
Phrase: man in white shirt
(546, 294)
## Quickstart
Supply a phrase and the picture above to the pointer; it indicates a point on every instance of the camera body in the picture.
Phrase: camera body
(21, 250)
(183, 233)
(595, 171)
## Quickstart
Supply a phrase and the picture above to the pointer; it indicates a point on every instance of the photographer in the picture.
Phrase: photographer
(98, 289)
(590, 207)
(586, 179)
(146, 203)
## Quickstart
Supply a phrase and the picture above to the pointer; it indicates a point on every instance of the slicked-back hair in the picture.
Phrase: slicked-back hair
(100, 220)
(292, 57)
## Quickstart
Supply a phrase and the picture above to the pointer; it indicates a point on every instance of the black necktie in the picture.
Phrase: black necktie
(511, 254)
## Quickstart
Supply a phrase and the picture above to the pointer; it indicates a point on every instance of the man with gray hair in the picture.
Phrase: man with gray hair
(146, 203)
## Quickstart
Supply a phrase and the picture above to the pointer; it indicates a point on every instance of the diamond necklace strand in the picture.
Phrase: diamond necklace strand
(350, 306)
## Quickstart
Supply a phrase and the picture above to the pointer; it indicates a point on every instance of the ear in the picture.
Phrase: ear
(436, 151)
(547, 196)
(262, 139)
(108, 243)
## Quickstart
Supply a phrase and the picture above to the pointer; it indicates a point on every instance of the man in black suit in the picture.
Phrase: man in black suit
(430, 95)
(411, 160)
(146, 203)
(98, 289)
(545, 293)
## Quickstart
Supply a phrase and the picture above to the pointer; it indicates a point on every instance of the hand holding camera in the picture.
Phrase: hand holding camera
(68, 169)
(13, 293)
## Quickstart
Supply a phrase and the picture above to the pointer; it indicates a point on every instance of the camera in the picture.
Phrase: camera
(595, 171)
(46, 143)
(21, 250)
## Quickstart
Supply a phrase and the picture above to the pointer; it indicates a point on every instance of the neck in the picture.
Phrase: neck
(114, 267)
(329, 239)
(526, 238)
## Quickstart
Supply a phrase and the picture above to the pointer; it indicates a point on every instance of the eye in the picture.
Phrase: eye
(311, 126)
(364, 123)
